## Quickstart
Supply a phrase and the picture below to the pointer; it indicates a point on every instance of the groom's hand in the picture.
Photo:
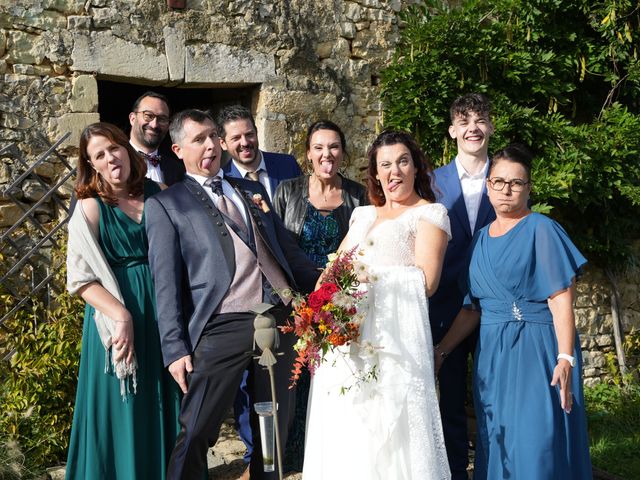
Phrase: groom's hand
(179, 370)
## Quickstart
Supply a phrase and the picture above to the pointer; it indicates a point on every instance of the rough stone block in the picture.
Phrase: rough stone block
(174, 44)
(74, 123)
(24, 48)
(604, 340)
(9, 214)
(324, 49)
(5, 171)
(33, 190)
(46, 169)
(84, 94)
(114, 57)
(395, 5)
(592, 381)
(218, 63)
(3, 67)
(64, 6)
(10, 120)
(352, 11)
(78, 22)
(23, 69)
(104, 17)
(42, 70)
(3, 42)
(347, 30)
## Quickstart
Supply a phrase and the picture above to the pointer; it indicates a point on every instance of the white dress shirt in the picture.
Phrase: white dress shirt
(227, 189)
(263, 176)
(153, 171)
(472, 186)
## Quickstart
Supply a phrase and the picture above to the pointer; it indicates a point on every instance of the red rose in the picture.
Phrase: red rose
(316, 300)
(327, 290)
(322, 296)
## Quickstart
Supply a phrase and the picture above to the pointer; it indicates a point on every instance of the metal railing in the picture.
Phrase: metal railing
(27, 271)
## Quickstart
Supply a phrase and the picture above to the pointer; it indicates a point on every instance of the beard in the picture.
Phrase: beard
(142, 136)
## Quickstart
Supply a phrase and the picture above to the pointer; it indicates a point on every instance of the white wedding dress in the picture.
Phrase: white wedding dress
(389, 428)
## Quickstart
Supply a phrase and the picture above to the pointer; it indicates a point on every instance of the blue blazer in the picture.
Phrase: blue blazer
(280, 166)
(445, 304)
(192, 258)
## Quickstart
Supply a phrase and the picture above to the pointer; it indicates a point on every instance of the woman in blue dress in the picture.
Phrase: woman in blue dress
(527, 383)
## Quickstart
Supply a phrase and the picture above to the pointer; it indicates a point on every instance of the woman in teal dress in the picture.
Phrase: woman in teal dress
(527, 383)
(125, 416)
(316, 210)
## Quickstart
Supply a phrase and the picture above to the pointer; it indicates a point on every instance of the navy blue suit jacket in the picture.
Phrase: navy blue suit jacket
(445, 304)
(280, 166)
(192, 258)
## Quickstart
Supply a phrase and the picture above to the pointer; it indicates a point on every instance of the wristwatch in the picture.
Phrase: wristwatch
(568, 358)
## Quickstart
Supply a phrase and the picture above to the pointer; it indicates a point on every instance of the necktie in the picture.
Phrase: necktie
(226, 205)
(255, 176)
(152, 158)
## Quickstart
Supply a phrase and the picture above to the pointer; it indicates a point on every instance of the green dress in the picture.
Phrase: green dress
(112, 438)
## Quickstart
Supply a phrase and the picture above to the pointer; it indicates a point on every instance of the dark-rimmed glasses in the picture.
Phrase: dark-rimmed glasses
(515, 185)
(150, 117)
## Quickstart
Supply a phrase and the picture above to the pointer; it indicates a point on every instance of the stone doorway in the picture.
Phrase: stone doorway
(115, 100)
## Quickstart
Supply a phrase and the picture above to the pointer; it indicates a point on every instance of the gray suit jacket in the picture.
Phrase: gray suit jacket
(192, 258)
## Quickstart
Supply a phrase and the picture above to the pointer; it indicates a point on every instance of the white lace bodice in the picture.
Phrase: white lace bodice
(392, 242)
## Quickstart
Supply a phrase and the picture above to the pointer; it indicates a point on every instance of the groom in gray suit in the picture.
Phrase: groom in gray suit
(215, 250)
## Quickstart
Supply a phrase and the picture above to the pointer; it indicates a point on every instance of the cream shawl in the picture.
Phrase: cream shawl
(86, 263)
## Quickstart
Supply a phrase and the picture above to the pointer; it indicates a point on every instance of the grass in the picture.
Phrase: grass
(614, 428)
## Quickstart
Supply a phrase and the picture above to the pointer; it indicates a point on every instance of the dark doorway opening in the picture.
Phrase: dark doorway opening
(115, 100)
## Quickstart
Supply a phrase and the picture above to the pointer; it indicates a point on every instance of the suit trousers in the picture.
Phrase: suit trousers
(452, 385)
(223, 353)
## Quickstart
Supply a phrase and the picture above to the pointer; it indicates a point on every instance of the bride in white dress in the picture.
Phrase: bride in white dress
(388, 428)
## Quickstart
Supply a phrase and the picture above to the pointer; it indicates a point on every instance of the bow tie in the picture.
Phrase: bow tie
(152, 158)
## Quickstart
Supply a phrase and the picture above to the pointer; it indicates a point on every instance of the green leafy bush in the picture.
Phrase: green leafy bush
(38, 382)
(564, 78)
(614, 428)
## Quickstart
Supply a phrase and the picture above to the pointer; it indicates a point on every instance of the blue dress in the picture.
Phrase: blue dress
(523, 433)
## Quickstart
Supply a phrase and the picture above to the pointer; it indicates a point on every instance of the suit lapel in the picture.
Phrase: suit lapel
(458, 207)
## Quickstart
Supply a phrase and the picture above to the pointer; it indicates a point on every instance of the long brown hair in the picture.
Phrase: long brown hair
(422, 184)
(89, 183)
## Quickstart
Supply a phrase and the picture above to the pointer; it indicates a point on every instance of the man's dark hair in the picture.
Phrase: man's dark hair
(151, 94)
(176, 128)
(232, 113)
(470, 102)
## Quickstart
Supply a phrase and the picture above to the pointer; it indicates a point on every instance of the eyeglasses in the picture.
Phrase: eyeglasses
(150, 117)
(516, 185)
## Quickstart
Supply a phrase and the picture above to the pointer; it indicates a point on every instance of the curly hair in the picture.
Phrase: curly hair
(88, 181)
(422, 184)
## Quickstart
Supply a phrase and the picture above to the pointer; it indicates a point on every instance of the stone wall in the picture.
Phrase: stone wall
(307, 59)
(595, 323)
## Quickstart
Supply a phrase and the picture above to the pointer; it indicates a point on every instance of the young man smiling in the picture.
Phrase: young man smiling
(462, 189)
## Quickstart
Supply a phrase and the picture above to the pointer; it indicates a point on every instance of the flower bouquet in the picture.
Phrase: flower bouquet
(329, 317)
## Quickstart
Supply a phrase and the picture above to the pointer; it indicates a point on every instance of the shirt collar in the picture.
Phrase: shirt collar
(462, 173)
(201, 179)
(243, 171)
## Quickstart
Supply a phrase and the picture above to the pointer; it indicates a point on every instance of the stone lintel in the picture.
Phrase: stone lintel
(217, 63)
(113, 57)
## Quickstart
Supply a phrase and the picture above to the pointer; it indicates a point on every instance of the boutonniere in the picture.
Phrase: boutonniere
(260, 203)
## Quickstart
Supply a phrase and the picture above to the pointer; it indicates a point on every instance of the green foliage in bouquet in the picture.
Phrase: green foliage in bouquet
(40, 350)
(564, 78)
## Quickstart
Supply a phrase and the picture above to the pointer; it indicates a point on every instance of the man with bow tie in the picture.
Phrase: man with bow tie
(149, 119)
(215, 251)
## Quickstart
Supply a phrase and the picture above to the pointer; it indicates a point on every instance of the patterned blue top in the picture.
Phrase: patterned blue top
(320, 235)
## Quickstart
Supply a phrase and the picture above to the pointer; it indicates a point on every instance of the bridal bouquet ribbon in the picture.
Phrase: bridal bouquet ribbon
(331, 316)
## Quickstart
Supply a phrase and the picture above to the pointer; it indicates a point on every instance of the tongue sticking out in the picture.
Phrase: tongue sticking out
(326, 167)
(206, 163)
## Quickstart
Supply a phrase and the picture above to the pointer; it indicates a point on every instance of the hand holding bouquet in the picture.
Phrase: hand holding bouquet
(331, 316)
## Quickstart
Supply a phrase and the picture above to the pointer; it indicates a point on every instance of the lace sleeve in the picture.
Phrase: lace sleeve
(436, 214)
(361, 213)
